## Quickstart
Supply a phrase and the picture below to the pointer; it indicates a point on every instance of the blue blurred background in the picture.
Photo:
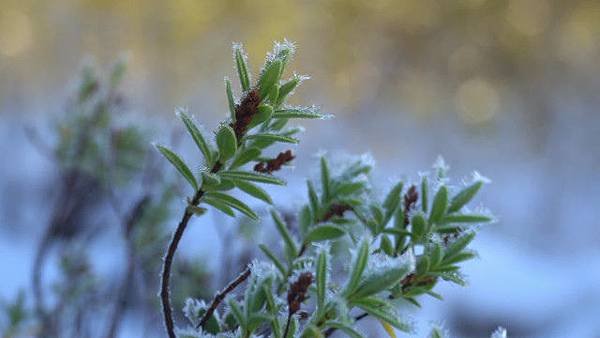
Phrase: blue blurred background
(509, 88)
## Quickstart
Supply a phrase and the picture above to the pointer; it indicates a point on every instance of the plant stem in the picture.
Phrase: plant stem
(166, 271)
(220, 296)
(287, 325)
(165, 296)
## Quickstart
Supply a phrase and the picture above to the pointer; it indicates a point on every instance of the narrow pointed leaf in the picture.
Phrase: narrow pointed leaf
(242, 68)
(380, 281)
(297, 113)
(178, 163)
(386, 314)
(273, 259)
(233, 203)
(269, 77)
(464, 197)
(424, 194)
(250, 176)
(197, 136)
(459, 245)
(272, 138)
(456, 218)
(321, 279)
(245, 156)
(286, 89)
(230, 99)
(344, 327)
(324, 232)
(227, 143)
(290, 244)
(253, 190)
(439, 206)
(325, 179)
(219, 205)
(358, 266)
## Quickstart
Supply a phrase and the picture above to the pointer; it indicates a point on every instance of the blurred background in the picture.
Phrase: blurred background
(509, 88)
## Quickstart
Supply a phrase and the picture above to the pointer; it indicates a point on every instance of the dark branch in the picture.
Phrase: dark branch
(220, 296)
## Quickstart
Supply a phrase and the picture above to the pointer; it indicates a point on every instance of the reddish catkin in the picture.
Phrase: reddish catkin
(410, 199)
(244, 112)
(297, 292)
(274, 164)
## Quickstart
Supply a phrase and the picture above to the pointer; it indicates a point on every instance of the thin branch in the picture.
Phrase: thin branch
(165, 296)
(220, 296)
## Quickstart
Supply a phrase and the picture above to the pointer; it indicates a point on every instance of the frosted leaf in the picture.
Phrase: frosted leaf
(438, 331)
(441, 167)
(192, 333)
(285, 49)
(477, 177)
(262, 270)
(379, 262)
(193, 308)
(499, 333)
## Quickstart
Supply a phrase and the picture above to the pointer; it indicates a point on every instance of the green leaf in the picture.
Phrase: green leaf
(253, 190)
(419, 226)
(458, 245)
(264, 113)
(392, 200)
(380, 281)
(274, 259)
(324, 232)
(274, 94)
(424, 194)
(311, 331)
(198, 211)
(245, 156)
(386, 245)
(272, 138)
(219, 205)
(290, 244)
(344, 327)
(321, 280)
(226, 184)
(197, 136)
(464, 218)
(358, 266)
(178, 163)
(436, 255)
(464, 197)
(298, 113)
(286, 89)
(386, 314)
(440, 204)
(211, 179)
(250, 176)
(269, 77)
(349, 188)
(423, 265)
(230, 99)
(236, 311)
(233, 203)
(226, 142)
(313, 198)
(242, 68)
(305, 219)
(325, 179)
(459, 257)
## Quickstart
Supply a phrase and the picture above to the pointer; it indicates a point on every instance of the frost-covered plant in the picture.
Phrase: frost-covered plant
(401, 246)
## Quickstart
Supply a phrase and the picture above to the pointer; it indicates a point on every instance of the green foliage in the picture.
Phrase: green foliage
(401, 245)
